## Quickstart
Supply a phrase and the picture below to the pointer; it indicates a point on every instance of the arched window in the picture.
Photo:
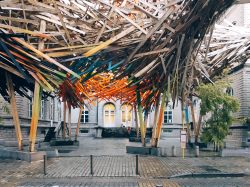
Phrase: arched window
(109, 114)
(168, 114)
(230, 91)
(85, 115)
(127, 114)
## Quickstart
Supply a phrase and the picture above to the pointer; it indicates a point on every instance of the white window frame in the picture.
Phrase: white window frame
(42, 109)
(85, 115)
(126, 113)
(168, 115)
(51, 114)
(109, 113)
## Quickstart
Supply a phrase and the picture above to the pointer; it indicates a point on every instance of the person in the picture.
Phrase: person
(129, 129)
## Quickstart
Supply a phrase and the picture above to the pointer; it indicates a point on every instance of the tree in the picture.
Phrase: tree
(219, 105)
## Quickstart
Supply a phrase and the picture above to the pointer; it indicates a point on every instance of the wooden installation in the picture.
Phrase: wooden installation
(130, 50)
(226, 46)
(35, 115)
(14, 111)
(78, 123)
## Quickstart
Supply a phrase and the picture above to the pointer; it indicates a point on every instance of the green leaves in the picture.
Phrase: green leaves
(215, 101)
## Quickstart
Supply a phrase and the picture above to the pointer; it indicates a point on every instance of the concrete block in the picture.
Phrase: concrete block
(138, 150)
(155, 151)
(50, 152)
(235, 152)
(64, 143)
(143, 150)
(21, 155)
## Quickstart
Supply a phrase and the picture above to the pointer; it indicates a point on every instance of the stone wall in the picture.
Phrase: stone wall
(8, 133)
(234, 139)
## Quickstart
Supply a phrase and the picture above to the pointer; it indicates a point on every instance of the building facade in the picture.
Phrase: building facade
(115, 114)
(50, 115)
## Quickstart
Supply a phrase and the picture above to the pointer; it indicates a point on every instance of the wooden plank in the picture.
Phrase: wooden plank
(36, 99)
(35, 115)
(51, 60)
(69, 121)
(150, 33)
(108, 42)
(64, 119)
(138, 96)
(14, 111)
(78, 123)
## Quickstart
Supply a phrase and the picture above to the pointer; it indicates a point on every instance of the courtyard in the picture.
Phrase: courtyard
(124, 93)
(112, 166)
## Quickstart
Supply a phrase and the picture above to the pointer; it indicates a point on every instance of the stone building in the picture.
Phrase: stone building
(240, 78)
(50, 115)
(114, 114)
(240, 88)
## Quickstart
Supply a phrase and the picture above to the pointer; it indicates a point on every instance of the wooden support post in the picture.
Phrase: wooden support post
(145, 121)
(138, 96)
(79, 122)
(35, 115)
(64, 119)
(69, 121)
(14, 111)
(165, 97)
(136, 122)
(160, 119)
(36, 98)
(156, 115)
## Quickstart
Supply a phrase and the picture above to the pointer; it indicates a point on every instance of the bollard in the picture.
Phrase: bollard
(91, 165)
(173, 151)
(45, 164)
(197, 151)
(136, 165)
(159, 185)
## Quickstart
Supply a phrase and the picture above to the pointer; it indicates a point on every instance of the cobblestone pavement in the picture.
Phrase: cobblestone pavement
(101, 182)
(119, 169)
(214, 182)
(122, 166)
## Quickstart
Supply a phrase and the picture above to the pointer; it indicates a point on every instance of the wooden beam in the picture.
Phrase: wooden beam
(69, 121)
(160, 118)
(136, 122)
(242, 1)
(78, 123)
(36, 99)
(156, 115)
(35, 115)
(14, 110)
(64, 119)
(138, 96)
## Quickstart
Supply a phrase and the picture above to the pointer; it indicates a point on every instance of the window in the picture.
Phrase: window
(84, 131)
(42, 109)
(51, 113)
(230, 91)
(59, 110)
(126, 113)
(30, 108)
(85, 115)
(168, 115)
(109, 114)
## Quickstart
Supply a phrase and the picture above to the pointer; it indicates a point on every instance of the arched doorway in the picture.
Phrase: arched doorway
(109, 115)
(126, 114)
